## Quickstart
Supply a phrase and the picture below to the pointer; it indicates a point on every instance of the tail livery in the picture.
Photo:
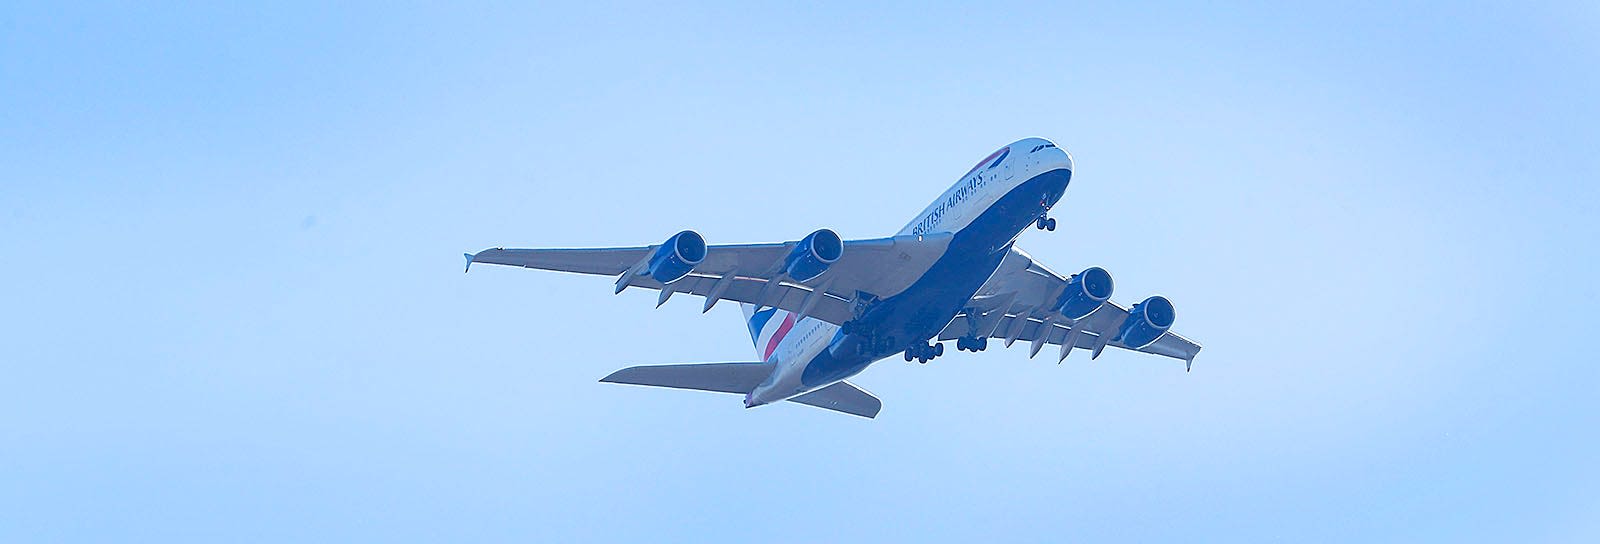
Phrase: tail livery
(768, 328)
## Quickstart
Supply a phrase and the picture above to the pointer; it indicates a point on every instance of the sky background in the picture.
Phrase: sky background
(232, 306)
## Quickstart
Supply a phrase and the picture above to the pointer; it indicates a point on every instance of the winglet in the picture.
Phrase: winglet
(1188, 363)
(469, 262)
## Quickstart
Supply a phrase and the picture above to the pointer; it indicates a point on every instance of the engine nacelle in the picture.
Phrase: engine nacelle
(678, 256)
(1085, 292)
(812, 256)
(1146, 322)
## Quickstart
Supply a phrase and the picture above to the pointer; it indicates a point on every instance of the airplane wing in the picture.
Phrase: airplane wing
(1018, 303)
(752, 273)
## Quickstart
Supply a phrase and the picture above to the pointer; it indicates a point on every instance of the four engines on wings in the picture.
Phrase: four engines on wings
(809, 287)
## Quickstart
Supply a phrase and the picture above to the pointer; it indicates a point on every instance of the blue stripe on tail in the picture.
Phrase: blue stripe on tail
(758, 321)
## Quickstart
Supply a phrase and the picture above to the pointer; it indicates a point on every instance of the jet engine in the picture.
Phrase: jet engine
(1085, 292)
(1146, 322)
(812, 256)
(676, 257)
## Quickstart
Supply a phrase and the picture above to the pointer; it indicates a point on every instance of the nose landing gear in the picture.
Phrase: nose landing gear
(1045, 223)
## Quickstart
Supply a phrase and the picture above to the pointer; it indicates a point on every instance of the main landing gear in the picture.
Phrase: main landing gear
(924, 353)
(850, 327)
(968, 343)
(870, 344)
(1045, 223)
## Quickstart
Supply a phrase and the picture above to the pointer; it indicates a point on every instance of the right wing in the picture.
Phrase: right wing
(1016, 304)
(876, 268)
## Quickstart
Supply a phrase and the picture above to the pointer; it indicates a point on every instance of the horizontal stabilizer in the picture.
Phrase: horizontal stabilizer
(843, 397)
(719, 377)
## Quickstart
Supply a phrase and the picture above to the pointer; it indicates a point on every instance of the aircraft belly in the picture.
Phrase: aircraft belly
(920, 311)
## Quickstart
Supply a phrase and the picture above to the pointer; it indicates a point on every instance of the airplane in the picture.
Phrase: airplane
(821, 309)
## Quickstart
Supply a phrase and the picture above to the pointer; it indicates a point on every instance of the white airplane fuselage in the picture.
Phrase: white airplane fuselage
(983, 213)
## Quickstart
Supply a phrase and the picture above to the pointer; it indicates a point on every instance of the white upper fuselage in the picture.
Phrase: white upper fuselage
(789, 344)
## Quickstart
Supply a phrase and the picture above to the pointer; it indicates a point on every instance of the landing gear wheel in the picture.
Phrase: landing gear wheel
(1050, 224)
(924, 352)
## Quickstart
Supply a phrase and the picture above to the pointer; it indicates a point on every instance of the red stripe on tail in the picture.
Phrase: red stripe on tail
(777, 337)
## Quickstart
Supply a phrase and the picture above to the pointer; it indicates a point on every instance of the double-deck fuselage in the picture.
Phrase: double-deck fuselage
(983, 213)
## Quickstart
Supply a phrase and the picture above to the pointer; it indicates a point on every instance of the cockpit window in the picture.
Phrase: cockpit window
(1043, 146)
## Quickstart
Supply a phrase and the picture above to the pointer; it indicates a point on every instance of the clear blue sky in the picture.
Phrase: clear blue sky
(233, 307)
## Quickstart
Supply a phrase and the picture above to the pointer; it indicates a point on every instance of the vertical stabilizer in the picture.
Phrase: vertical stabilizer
(768, 327)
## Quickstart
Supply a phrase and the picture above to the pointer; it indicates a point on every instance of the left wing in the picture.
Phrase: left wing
(1018, 303)
(753, 273)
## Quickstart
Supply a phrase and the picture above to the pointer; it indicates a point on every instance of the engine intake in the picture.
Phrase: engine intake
(678, 256)
(813, 255)
(1085, 292)
(1146, 322)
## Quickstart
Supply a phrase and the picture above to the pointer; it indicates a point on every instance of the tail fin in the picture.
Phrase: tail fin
(768, 327)
(755, 321)
(718, 377)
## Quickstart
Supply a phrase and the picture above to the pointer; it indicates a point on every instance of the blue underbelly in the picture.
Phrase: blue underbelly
(925, 308)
